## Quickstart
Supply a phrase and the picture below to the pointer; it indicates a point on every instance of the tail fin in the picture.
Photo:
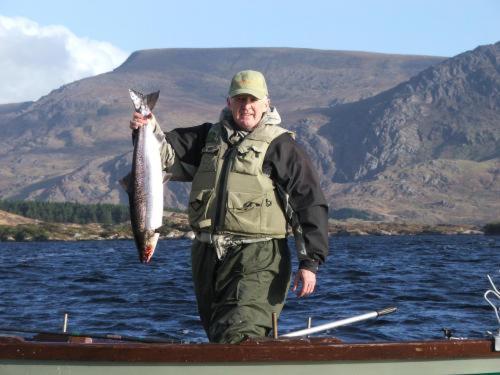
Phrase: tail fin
(152, 98)
(140, 100)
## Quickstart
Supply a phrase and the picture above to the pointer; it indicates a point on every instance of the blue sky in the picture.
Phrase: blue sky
(115, 28)
(430, 27)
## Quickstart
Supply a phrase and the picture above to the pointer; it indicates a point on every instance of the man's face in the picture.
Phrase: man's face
(247, 110)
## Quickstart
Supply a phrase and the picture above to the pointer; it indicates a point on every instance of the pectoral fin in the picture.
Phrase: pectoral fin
(125, 182)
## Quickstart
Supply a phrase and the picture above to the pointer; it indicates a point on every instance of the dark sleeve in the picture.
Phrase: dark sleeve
(188, 143)
(289, 166)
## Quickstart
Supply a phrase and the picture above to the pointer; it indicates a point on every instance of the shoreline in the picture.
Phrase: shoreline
(177, 227)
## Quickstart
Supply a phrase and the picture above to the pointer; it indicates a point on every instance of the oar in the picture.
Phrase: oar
(338, 323)
(91, 335)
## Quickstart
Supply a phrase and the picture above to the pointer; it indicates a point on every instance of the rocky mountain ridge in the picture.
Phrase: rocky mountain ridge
(448, 111)
(425, 150)
(407, 138)
(74, 143)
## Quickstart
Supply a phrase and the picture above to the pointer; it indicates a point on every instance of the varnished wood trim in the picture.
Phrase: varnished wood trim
(260, 351)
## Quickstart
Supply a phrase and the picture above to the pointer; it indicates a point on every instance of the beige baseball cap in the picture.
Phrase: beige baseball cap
(248, 82)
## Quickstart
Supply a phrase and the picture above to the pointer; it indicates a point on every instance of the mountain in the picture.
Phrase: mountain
(74, 143)
(426, 150)
(394, 138)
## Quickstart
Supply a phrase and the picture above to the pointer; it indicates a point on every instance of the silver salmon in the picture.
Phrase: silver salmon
(145, 185)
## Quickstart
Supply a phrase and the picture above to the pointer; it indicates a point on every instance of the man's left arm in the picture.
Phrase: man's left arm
(291, 168)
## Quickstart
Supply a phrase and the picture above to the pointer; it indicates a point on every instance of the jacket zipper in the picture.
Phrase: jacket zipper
(220, 213)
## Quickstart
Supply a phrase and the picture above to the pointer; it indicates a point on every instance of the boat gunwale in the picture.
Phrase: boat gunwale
(313, 350)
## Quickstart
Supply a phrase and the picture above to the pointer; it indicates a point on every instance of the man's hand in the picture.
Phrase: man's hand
(138, 120)
(307, 279)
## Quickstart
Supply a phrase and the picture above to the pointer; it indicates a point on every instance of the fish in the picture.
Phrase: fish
(144, 184)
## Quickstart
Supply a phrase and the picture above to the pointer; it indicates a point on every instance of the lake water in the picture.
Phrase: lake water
(434, 281)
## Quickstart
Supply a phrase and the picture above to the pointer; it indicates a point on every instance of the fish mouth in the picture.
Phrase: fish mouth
(147, 254)
(147, 250)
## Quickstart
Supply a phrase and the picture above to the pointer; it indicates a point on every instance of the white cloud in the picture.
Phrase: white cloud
(36, 59)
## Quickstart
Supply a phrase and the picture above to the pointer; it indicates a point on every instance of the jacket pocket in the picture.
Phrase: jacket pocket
(247, 160)
(198, 209)
(244, 211)
(209, 155)
(273, 216)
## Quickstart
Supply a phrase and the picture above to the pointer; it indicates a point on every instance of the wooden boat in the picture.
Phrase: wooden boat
(82, 356)
(64, 353)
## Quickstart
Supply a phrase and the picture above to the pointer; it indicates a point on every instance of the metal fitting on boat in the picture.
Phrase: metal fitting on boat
(497, 341)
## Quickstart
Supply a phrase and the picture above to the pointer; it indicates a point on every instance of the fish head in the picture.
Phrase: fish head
(147, 248)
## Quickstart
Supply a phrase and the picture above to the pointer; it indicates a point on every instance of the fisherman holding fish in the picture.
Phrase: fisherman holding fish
(250, 180)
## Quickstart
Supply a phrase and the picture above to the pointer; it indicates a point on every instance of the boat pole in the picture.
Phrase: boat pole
(338, 323)
(65, 323)
(275, 325)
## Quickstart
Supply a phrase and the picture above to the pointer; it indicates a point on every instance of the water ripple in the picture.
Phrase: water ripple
(435, 281)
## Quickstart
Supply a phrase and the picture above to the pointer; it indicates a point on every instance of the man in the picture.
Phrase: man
(249, 177)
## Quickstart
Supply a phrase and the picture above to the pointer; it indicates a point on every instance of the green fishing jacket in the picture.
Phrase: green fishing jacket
(230, 193)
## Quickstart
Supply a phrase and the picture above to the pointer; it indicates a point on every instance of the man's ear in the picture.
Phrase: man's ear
(228, 102)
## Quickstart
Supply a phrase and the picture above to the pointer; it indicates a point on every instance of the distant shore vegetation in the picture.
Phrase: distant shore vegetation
(24, 232)
(492, 228)
(67, 212)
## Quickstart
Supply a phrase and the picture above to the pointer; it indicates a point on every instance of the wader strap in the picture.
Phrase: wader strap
(223, 242)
